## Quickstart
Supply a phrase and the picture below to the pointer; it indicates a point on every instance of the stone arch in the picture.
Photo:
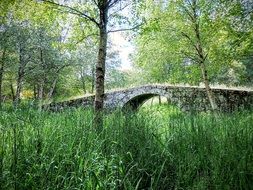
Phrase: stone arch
(137, 101)
(138, 98)
(184, 97)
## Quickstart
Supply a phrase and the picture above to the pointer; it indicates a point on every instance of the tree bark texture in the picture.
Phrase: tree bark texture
(93, 80)
(53, 86)
(160, 100)
(41, 93)
(41, 90)
(83, 81)
(12, 92)
(35, 92)
(51, 91)
(1, 75)
(21, 72)
(202, 57)
(100, 66)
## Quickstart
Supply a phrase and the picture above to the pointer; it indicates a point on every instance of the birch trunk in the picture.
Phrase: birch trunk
(207, 87)
(41, 90)
(83, 82)
(34, 92)
(100, 70)
(205, 78)
(1, 76)
(202, 58)
(21, 72)
(12, 92)
(19, 86)
(51, 91)
(40, 94)
(100, 66)
(93, 80)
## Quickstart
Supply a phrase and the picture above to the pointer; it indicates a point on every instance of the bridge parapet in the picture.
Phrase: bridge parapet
(185, 97)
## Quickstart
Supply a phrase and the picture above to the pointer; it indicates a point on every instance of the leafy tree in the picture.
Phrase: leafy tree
(4, 38)
(101, 13)
(188, 41)
(239, 24)
(85, 66)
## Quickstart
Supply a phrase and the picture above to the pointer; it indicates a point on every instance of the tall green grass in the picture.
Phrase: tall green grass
(158, 148)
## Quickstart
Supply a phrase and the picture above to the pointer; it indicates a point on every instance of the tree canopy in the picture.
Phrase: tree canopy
(58, 49)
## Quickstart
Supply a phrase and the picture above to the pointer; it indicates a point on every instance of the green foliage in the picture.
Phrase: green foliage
(167, 42)
(170, 150)
(5, 7)
(58, 51)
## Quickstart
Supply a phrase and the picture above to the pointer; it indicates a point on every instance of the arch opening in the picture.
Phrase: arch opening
(135, 103)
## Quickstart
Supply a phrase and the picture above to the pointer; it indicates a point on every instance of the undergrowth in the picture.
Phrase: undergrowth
(157, 148)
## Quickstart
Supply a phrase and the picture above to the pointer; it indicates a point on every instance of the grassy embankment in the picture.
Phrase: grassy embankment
(158, 148)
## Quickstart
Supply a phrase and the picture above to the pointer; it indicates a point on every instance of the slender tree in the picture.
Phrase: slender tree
(4, 47)
(100, 21)
(185, 38)
(193, 14)
(24, 56)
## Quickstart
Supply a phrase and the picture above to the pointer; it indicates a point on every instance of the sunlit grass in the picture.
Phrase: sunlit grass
(157, 148)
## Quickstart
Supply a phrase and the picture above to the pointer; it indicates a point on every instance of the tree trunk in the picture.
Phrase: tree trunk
(1, 76)
(100, 67)
(21, 72)
(100, 71)
(37, 90)
(40, 94)
(202, 58)
(83, 83)
(168, 101)
(34, 92)
(51, 91)
(207, 87)
(12, 92)
(41, 90)
(160, 100)
(93, 80)
(206, 80)
(19, 87)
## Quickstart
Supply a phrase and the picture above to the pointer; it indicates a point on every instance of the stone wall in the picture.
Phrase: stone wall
(185, 97)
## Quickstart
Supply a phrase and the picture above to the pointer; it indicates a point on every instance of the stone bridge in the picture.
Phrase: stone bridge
(185, 97)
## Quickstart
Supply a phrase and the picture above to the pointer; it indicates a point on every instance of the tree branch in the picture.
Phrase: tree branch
(118, 10)
(95, 2)
(111, 3)
(124, 29)
(192, 57)
(86, 37)
(191, 41)
(73, 11)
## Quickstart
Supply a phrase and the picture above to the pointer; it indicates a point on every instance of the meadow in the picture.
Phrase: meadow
(157, 148)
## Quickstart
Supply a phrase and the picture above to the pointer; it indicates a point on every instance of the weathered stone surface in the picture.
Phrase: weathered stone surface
(185, 97)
